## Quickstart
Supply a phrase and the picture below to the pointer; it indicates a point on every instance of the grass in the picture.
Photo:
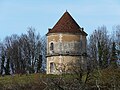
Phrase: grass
(107, 77)
(29, 82)
(20, 82)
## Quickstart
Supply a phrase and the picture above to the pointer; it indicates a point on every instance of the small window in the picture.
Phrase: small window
(51, 46)
(52, 67)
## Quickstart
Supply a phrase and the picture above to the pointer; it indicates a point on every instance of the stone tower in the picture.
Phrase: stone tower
(66, 42)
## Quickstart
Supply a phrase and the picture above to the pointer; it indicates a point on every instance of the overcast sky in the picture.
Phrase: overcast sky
(17, 15)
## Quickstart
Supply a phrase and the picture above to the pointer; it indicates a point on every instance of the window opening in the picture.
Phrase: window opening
(52, 67)
(51, 46)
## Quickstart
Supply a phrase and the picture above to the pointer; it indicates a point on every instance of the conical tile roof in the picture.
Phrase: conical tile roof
(67, 24)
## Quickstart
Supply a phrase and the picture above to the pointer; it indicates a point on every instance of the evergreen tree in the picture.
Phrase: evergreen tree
(105, 58)
(100, 54)
(113, 61)
(2, 64)
(7, 68)
(39, 63)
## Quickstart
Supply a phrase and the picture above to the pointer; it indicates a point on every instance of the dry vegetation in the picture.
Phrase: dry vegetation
(107, 79)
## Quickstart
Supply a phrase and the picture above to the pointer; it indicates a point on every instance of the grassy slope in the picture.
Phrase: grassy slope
(24, 82)
(105, 77)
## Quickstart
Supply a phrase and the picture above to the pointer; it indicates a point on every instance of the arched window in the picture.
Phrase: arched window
(51, 46)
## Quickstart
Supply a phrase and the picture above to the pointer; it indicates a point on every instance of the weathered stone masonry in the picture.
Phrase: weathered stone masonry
(66, 42)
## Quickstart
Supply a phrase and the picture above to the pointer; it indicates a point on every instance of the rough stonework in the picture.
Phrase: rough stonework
(66, 43)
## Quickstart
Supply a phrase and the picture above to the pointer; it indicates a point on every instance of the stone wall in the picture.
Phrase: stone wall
(67, 42)
(62, 64)
(62, 49)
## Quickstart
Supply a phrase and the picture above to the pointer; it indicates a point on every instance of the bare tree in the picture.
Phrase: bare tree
(99, 47)
(118, 42)
(2, 58)
(44, 51)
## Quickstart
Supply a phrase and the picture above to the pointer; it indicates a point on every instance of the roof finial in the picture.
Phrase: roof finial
(66, 10)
